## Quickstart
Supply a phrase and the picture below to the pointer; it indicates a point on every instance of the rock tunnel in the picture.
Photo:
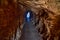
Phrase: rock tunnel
(43, 22)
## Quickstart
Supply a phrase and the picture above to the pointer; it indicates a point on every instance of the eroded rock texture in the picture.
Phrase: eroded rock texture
(8, 18)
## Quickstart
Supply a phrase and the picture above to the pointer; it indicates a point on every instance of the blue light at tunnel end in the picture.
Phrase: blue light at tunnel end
(28, 15)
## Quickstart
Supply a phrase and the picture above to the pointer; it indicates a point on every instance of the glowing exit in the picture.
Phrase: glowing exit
(28, 15)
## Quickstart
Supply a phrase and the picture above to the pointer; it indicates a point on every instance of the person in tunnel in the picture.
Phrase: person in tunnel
(28, 15)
